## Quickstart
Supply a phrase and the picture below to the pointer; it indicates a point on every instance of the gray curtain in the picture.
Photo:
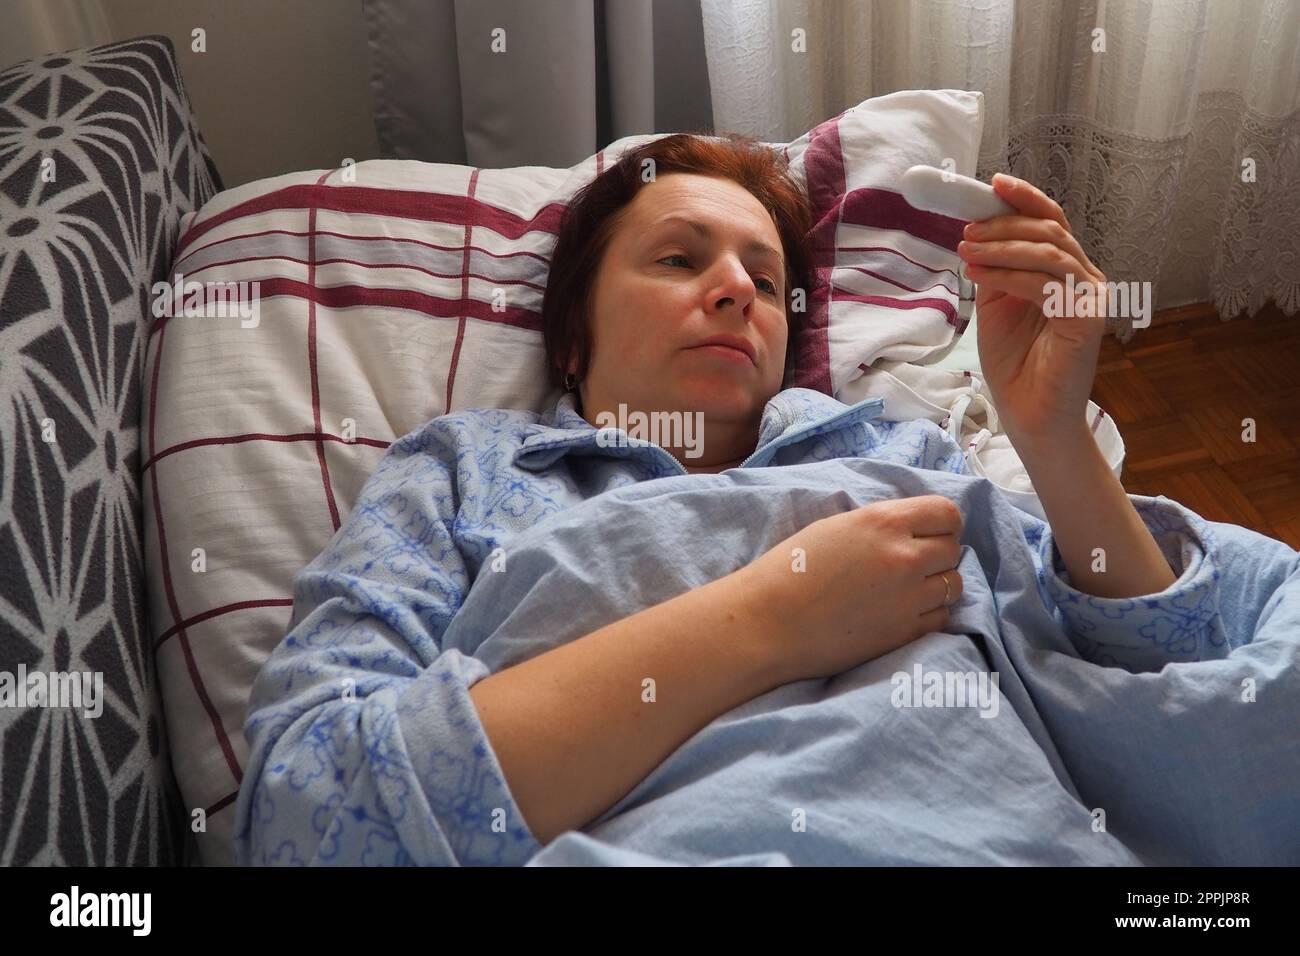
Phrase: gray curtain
(574, 75)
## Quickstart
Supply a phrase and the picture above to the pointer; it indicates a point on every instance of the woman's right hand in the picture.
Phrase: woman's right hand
(872, 581)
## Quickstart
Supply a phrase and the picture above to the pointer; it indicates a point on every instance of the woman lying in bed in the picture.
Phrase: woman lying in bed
(594, 677)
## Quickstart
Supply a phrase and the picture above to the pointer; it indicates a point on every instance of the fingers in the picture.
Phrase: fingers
(1036, 287)
(936, 620)
(936, 553)
(1041, 220)
(935, 595)
(932, 515)
(1024, 227)
(1027, 256)
(1028, 198)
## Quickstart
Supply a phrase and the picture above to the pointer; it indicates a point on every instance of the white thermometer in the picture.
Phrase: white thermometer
(950, 194)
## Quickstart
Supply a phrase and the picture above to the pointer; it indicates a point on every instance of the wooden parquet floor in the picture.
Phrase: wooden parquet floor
(1179, 392)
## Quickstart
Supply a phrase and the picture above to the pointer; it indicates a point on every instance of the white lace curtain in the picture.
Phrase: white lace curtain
(1149, 143)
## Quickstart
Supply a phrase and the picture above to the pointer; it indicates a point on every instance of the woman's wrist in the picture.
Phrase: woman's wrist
(760, 617)
(1053, 446)
(1105, 545)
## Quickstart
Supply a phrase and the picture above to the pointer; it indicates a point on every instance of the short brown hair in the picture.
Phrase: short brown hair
(589, 221)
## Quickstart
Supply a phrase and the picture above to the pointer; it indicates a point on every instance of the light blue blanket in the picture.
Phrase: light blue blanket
(1159, 730)
(1177, 761)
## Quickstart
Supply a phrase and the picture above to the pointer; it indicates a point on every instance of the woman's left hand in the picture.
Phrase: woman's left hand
(1039, 369)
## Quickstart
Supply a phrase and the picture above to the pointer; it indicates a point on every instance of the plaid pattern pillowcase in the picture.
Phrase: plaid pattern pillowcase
(358, 303)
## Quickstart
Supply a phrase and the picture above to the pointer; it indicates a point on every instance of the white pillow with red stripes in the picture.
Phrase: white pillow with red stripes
(391, 291)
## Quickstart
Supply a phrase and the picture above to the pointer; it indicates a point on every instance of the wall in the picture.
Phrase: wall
(282, 86)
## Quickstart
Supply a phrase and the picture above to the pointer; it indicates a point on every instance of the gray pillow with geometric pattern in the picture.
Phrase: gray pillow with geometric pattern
(100, 156)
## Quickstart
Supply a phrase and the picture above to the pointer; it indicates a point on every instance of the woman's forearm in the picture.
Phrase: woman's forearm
(576, 728)
(1088, 509)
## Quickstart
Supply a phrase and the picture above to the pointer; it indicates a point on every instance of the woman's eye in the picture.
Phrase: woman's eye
(772, 289)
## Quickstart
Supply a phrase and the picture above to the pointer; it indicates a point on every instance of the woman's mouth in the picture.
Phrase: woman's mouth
(724, 344)
(725, 352)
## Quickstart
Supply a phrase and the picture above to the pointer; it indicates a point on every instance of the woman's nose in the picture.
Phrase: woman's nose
(735, 286)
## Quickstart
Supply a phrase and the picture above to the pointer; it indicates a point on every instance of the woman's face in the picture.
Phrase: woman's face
(664, 288)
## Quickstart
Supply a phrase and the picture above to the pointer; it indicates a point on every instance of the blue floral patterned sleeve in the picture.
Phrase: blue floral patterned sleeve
(1180, 624)
(365, 745)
